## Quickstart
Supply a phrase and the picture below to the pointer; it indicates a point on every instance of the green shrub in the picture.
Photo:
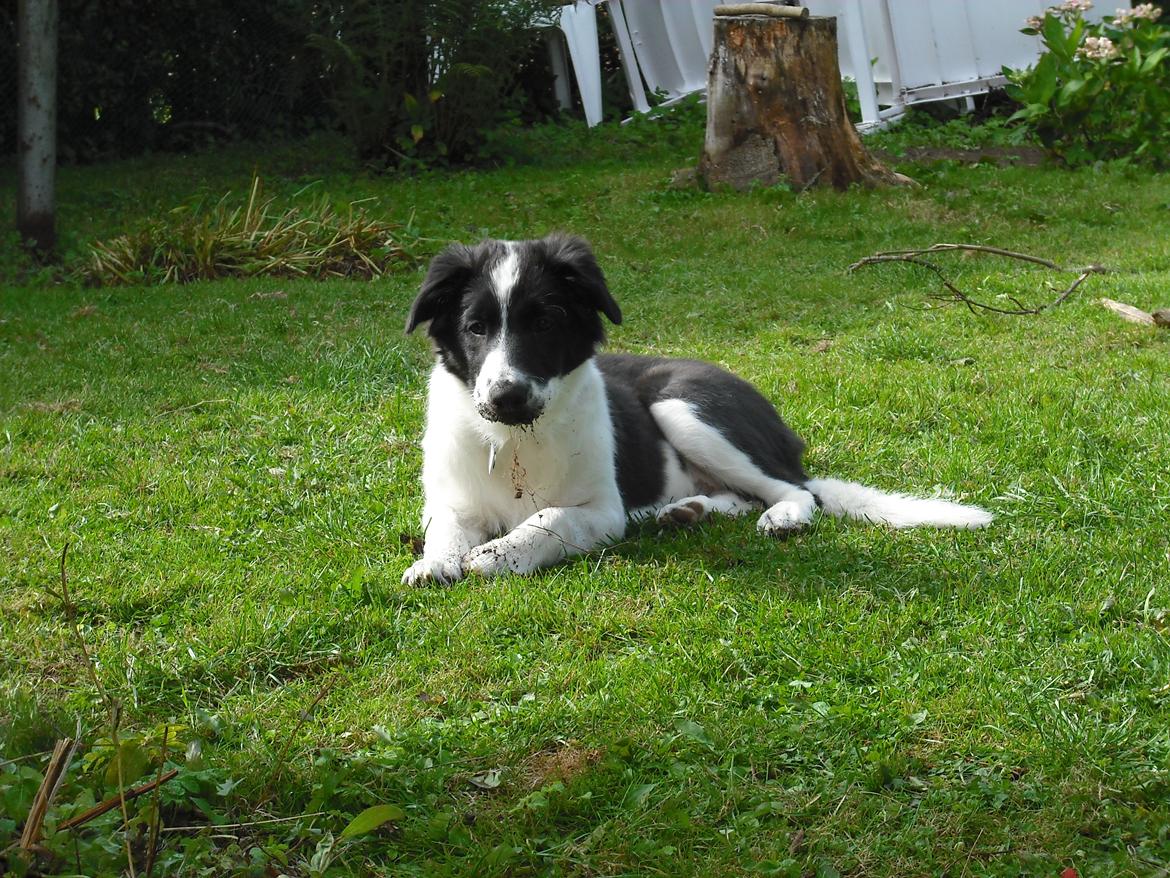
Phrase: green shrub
(423, 80)
(1100, 91)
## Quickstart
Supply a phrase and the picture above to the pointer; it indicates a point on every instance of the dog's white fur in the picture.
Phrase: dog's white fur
(552, 493)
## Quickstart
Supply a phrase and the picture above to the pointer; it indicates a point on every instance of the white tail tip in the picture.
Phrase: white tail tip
(852, 500)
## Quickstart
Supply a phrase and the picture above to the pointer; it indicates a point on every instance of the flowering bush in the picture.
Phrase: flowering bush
(1100, 91)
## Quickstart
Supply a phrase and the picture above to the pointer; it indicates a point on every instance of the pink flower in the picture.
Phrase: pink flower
(1098, 49)
(1143, 10)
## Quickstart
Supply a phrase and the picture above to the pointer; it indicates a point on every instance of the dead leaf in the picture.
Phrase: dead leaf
(821, 346)
(85, 311)
(797, 842)
(275, 294)
(486, 780)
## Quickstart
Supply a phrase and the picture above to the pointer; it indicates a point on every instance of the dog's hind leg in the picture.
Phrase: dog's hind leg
(690, 510)
(789, 506)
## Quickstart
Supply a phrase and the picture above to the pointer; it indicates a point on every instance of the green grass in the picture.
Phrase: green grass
(234, 465)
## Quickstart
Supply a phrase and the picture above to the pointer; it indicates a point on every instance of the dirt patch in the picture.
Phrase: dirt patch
(565, 762)
(1002, 156)
(54, 408)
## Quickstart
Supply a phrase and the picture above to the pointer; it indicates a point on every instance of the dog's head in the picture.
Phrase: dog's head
(509, 318)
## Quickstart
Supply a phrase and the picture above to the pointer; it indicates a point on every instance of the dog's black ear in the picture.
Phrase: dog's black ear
(446, 278)
(573, 260)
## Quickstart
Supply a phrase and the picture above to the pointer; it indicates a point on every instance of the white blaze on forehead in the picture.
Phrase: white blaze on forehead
(505, 274)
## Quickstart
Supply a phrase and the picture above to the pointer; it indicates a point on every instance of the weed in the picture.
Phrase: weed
(254, 239)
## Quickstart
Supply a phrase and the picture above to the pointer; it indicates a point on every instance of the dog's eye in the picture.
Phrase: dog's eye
(543, 323)
(477, 327)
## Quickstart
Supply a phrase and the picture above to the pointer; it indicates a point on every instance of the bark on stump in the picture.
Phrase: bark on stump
(776, 108)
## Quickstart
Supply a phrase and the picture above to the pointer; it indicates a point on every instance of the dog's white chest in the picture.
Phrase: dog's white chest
(502, 475)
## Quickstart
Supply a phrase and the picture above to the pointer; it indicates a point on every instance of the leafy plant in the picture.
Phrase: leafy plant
(252, 239)
(1100, 91)
(421, 81)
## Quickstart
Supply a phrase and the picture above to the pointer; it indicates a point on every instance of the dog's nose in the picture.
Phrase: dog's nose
(508, 395)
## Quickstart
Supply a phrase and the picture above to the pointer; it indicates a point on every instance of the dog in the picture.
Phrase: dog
(538, 448)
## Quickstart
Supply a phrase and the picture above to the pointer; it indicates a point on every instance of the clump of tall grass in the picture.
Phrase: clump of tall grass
(254, 239)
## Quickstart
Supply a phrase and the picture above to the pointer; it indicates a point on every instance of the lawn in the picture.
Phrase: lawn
(234, 468)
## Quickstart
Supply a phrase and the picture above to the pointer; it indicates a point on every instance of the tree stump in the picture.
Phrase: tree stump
(776, 108)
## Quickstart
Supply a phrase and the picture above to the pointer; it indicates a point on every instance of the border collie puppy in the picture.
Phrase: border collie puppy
(537, 448)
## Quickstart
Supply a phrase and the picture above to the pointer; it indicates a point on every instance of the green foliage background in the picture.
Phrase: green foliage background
(409, 78)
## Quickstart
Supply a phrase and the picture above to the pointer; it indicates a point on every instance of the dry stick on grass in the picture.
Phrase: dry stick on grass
(115, 801)
(25, 757)
(914, 257)
(54, 774)
(220, 827)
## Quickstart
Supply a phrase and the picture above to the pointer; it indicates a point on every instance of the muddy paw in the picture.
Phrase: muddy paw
(682, 513)
(487, 560)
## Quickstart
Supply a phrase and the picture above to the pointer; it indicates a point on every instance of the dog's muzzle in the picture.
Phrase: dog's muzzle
(510, 402)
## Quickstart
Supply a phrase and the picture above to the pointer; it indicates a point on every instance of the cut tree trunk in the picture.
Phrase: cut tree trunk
(776, 108)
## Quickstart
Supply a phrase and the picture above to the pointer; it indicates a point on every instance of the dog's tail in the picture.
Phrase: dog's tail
(851, 500)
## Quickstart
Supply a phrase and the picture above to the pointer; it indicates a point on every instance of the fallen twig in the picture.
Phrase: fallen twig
(71, 618)
(54, 774)
(897, 255)
(222, 826)
(115, 801)
(24, 757)
(914, 257)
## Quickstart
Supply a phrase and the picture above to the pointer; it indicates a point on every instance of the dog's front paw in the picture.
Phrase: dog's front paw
(441, 570)
(782, 519)
(492, 559)
(683, 512)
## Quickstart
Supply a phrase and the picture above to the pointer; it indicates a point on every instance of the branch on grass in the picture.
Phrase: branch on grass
(54, 774)
(117, 801)
(219, 827)
(914, 257)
